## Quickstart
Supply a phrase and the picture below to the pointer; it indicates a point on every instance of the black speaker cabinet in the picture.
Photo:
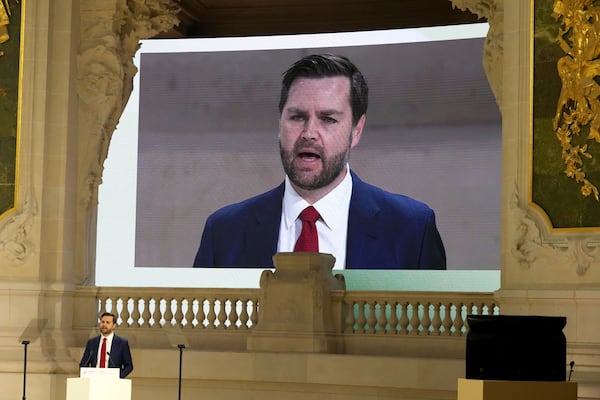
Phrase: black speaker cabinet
(516, 348)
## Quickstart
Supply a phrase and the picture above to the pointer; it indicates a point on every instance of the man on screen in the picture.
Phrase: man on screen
(108, 350)
(322, 205)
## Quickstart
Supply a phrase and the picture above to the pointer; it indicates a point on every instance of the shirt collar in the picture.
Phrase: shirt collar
(328, 207)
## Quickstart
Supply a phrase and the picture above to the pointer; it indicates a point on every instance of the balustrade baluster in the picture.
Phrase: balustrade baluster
(168, 314)
(382, 317)
(404, 319)
(447, 320)
(254, 316)
(436, 321)
(371, 319)
(178, 311)
(414, 319)
(135, 312)
(222, 316)
(349, 319)
(212, 316)
(459, 320)
(233, 315)
(103, 307)
(201, 315)
(146, 315)
(393, 319)
(189, 313)
(118, 311)
(361, 321)
(244, 317)
(426, 320)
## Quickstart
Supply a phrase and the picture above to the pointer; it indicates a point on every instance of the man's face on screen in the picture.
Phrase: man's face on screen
(316, 133)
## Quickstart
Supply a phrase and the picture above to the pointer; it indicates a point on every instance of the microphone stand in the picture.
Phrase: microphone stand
(571, 364)
(25, 343)
(180, 347)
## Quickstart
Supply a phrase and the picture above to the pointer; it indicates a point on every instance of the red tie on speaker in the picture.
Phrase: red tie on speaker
(308, 239)
(103, 354)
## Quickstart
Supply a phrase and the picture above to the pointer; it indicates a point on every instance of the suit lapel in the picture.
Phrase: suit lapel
(363, 229)
(96, 346)
(260, 241)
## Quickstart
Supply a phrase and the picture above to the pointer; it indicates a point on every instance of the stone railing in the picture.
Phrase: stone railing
(184, 308)
(232, 309)
(413, 313)
(222, 319)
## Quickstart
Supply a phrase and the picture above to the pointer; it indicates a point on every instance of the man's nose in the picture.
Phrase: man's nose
(311, 129)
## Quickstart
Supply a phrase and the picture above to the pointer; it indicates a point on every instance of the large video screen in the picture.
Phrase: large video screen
(200, 132)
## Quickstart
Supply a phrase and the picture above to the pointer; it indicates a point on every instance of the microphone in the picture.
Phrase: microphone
(571, 364)
(109, 359)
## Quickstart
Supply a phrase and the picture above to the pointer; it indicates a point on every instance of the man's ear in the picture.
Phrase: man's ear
(358, 130)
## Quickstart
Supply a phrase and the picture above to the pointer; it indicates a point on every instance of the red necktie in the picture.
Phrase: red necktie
(308, 239)
(103, 354)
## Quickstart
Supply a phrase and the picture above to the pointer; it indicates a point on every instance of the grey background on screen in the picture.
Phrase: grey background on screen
(208, 137)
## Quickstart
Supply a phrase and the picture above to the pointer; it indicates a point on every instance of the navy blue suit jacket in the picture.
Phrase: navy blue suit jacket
(385, 231)
(120, 355)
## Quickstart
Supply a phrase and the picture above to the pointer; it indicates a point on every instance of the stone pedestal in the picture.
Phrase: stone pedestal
(297, 311)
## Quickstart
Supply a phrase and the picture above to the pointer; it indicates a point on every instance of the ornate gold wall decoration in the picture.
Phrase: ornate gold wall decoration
(10, 47)
(565, 113)
(578, 108)
(4, 21)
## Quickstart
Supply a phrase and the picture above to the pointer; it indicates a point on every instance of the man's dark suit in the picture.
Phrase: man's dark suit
(120, 355)
(385, 231)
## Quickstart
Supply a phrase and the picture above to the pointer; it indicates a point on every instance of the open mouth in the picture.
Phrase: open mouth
(308, 156)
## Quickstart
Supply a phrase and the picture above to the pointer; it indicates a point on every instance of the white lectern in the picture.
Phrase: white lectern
(94, 383)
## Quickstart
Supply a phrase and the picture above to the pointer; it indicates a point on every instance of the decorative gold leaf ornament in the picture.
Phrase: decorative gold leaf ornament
(579, 70)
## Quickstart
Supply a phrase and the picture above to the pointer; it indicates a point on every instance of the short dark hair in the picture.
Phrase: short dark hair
(107, 314)
(329, 65)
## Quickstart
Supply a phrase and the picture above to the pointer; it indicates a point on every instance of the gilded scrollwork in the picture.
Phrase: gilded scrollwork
(4, 21)
(578, 107)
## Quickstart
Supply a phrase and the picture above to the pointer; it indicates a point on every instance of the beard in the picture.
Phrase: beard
(332, 166)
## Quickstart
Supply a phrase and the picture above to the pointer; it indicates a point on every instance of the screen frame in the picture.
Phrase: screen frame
(115, 237)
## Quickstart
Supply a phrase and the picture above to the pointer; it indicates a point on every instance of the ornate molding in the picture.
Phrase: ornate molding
(15, 231)
(530, 248)
(493, 51)
(110, 36)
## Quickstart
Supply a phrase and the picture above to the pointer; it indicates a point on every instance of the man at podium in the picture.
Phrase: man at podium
(108, 350)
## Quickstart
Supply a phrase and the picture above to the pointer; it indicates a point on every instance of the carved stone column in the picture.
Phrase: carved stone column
(296, 307)
(110, 34)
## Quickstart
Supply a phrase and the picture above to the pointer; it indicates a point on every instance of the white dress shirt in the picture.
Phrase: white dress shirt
(332, 227)
(109, 340)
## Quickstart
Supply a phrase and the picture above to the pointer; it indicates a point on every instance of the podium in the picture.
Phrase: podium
(93, 385)
(476, 389)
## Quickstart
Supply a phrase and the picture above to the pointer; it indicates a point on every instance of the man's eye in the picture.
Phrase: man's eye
(329, 120)
(297, 117)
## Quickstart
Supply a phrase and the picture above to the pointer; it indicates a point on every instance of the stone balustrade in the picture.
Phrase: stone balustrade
(223, 319)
